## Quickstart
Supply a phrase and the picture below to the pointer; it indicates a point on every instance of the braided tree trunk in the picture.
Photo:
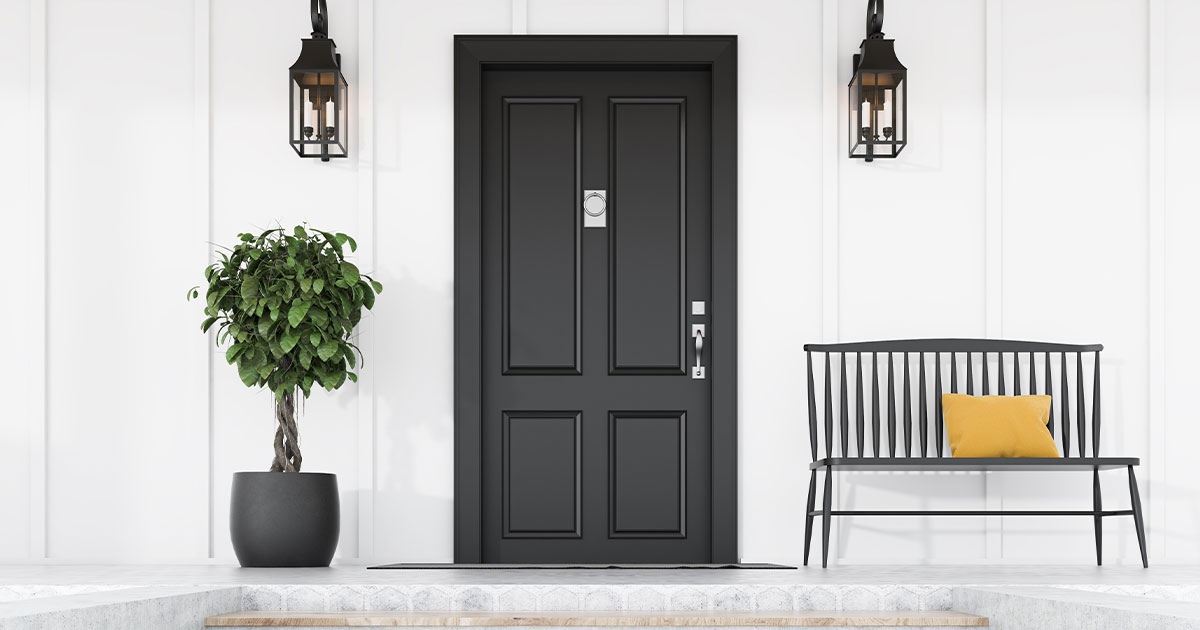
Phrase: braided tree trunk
(287, 441)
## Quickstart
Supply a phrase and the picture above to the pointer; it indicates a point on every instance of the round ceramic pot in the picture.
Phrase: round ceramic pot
(279, 519)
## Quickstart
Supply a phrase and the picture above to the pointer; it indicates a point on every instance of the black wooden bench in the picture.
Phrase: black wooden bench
(858, 444)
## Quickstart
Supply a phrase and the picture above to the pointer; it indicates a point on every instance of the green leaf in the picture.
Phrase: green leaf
(250, 287)
(349, 272)
(353, 245)
(318, 284)
(315, 339)
(234, 352)
(306, 359)
(248, 374)
(326, 350)
(256, 254)
(305, 284)
(349, 356)
(289, 341)
(341, 238)
(377, 286)
(264, 327)
(207, 324)
(318, 317)
(352, 376)
(368, 299)
(297, 312)
(299, 232)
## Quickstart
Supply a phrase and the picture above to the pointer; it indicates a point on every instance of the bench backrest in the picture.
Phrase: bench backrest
(873, 431)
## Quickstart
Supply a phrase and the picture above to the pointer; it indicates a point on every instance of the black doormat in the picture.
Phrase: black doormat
(448, 565)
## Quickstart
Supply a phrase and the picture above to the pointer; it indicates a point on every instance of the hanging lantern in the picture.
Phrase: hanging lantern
(317, 119)
(878, 100)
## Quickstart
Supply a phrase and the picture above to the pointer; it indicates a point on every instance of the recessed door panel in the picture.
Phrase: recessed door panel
(648, 474)
(541, 235)
(541, 474)
(647, 236)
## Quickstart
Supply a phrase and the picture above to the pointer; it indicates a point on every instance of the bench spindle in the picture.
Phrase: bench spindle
(937, 393)
(859, 412)
(987, 386)
(1096, 408)
(812, 408)
(922, 406)
(875, 404)
(1016, 374)
(1066, 410)
(844, 411)
(1050, 393)
(907, 410)
(970, 376)
(828, 408)
(1080, 412)
(1032, 375)
(1000, 371)
(953, 374)
(891, 409)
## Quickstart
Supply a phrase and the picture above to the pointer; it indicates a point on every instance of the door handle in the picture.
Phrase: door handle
(698, 335)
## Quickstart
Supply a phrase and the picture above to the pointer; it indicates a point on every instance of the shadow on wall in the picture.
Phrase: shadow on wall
(912, 537)
(414, 423)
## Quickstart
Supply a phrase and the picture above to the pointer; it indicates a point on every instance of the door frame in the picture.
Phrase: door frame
(472, 55)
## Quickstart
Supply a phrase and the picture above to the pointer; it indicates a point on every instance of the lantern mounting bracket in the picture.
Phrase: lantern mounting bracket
(874, 19)
(320, 18)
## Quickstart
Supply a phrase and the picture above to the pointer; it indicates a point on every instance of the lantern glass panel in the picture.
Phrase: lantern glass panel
(877, 123)
(318, 116)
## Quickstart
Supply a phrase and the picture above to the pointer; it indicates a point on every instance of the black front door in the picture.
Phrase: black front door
(596, 416)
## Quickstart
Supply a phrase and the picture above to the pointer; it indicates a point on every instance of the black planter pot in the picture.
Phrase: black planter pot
(284, 519)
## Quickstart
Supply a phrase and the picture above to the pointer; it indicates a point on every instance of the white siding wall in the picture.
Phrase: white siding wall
(1039, 198)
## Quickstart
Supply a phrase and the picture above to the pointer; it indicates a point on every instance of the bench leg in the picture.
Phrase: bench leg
(808, 517)
(1136, 501)
(826, 507)
(1099, 522)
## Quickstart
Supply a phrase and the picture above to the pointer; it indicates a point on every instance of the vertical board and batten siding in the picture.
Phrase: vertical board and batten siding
(1034, 235)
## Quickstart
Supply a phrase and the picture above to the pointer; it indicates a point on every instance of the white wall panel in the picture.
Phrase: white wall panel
(141, 444)
(414, 337)
(1180, 431)
(258, 183)
(127, 437)
(592, 17)
(1075, 234)
(20, 384)
(779, 91)
(911, 236)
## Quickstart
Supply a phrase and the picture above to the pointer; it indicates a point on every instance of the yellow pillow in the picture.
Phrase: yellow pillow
(998, 426)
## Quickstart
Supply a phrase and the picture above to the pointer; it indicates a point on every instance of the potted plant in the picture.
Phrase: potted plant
(285, 306)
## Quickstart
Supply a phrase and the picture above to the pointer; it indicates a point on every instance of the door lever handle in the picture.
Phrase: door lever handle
(698, 335)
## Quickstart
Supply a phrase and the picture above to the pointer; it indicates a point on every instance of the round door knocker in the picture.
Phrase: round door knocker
(594, 208)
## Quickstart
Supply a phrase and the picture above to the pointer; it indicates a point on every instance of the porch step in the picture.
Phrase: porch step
(655, 619)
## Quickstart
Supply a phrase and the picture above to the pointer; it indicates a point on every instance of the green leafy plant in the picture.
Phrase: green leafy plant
(285, 306)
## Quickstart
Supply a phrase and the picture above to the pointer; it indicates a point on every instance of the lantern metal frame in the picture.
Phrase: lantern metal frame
(318, 67)
(877, 72)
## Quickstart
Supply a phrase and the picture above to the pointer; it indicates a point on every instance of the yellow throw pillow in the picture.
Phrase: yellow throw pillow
(998, 426)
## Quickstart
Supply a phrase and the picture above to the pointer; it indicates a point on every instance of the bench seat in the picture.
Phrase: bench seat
(974, 463)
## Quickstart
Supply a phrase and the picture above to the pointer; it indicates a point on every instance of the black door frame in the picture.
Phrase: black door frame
(472, 55)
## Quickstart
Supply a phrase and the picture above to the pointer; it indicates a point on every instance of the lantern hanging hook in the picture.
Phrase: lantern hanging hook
(320, 18)
(874, 19)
